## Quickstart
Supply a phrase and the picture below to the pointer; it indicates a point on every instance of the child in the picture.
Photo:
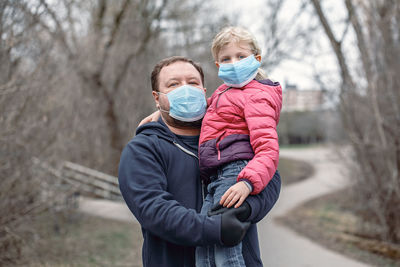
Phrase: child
(238, 146)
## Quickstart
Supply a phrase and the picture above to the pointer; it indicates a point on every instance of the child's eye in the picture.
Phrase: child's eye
(224, 59)
(241, 57)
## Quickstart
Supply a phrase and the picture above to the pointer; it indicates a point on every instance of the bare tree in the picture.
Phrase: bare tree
(74, 82)
(285, 37)
(109, 64)
(369, 103)
(95, 59)
(25, 129)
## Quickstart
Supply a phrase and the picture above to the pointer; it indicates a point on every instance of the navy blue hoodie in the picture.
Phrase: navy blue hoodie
(160, 181)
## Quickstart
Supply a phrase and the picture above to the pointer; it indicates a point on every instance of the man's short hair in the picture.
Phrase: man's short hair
(168, 61)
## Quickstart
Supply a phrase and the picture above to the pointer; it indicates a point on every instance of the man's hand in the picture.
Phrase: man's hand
(242, 213)
(232, 229)
(237, 193)
(152, 117)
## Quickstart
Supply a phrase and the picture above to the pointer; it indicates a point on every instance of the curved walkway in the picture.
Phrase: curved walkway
(282, 247)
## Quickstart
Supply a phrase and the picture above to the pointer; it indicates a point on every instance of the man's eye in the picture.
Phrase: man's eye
(194, 82)
(172, 84)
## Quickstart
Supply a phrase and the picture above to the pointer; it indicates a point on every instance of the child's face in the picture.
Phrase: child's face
(234, 52)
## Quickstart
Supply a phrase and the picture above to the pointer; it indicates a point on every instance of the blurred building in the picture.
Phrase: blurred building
(301, 100)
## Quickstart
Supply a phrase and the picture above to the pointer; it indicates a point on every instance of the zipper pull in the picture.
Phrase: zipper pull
(202, 189)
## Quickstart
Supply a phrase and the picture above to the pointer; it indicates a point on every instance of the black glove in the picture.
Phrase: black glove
(242, 213)
(233, 230)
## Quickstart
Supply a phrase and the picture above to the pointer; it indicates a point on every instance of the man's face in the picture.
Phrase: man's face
(170, 78)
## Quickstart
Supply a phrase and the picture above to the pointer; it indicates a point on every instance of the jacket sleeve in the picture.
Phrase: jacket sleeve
(263, 202)
(143, 185)
(261, 113)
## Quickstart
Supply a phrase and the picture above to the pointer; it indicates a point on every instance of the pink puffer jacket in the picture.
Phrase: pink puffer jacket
(240, 123)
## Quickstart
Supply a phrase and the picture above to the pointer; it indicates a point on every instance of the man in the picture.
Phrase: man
(159, 178)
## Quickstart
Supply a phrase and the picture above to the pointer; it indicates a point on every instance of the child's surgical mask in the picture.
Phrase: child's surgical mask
(186, 103)
(240, 73)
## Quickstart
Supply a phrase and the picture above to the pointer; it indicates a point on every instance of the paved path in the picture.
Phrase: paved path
(282, 247)
(107, 209)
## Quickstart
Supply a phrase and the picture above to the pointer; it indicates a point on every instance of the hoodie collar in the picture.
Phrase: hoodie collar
(158, 128)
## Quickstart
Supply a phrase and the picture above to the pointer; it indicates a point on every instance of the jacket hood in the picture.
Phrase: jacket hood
(158, 128)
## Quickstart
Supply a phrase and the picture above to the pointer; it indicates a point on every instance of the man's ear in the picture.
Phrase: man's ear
(258, 57)
(156, 96)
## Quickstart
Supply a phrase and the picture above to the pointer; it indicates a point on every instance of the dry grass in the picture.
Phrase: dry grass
(329, 222)
(81, 240)
(293, 171)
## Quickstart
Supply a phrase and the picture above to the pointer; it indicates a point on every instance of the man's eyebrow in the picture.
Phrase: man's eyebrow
(172, 79)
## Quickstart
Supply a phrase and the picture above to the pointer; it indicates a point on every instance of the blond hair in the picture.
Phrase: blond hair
(235, 35)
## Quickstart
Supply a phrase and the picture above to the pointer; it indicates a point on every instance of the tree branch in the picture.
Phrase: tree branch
(336, 46)
(144, 41)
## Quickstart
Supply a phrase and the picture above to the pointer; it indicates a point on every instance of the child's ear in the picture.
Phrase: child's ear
(217, 64)
(258, 57)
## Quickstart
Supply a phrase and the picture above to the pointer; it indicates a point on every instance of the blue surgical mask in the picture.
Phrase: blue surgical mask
(186, 103)
(240, 73)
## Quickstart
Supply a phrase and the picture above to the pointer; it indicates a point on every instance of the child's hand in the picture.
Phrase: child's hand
(152, 117)
(237, 193)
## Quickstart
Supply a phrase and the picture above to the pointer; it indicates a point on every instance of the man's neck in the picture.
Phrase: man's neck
(181, 130)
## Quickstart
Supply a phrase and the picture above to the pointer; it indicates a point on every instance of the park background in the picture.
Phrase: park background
(75, 82)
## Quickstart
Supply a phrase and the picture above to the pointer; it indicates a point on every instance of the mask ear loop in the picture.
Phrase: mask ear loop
(159, 107)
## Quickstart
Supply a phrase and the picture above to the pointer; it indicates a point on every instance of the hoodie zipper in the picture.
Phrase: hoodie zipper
(187, 151)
